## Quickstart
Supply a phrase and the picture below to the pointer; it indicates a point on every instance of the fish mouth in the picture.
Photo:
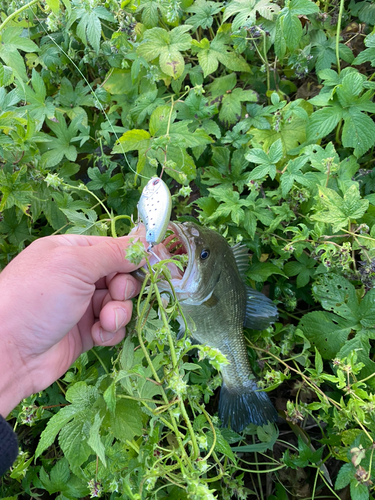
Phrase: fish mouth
(179, 240)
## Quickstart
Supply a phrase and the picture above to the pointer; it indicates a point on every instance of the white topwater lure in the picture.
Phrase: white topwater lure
(154, 209)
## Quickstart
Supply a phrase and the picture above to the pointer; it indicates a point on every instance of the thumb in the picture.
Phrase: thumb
(101, 256)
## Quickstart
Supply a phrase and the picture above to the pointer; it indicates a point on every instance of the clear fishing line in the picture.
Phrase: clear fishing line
(93, 94)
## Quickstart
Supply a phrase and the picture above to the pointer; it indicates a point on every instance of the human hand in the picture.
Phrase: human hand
(58, 298)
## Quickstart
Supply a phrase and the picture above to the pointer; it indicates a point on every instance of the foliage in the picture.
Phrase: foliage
(260, 113)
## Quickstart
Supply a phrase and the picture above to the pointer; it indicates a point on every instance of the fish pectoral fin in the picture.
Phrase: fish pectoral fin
(261, 312)
(211, 302)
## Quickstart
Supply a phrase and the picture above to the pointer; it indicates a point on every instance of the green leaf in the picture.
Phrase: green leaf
(38, 106)
(303, 7)
(221, 445)
(132, 139)
(340, 211)
(231, 108)
(73, 439)
(318, 362)
(167, 46)
(89, 28)
(292, 29)
(326, 331)
(267, 161)
(246, 11)
(361, 345)
(59, 147)
(94, 439)
(293, 174)
(11, 42)
(54, 5)
(110, 397)
(54, 426)
(260, 271)
(211, 53)
(127, 421)
(16, 192)
(358, 131)
(337, 295)
(17, 230)
(323, 121)
(358, 491)
(203, 13)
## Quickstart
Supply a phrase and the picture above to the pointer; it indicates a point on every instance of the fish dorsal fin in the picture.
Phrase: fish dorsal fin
(260, 310)
(241, 256)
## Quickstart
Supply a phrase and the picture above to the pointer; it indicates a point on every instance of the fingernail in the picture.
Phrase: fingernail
(120, 317)
(129, 290)
(105, 336)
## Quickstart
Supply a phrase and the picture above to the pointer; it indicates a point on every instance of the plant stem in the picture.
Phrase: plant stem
(100, 361)
(113, 223)
(174, 363)
(16, 12)
(338, 35)
(150, 364)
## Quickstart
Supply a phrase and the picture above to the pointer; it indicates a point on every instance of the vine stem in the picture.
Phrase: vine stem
(113, 223)
(149, 361)
(174, 362)
(338, 35)
(16, 12)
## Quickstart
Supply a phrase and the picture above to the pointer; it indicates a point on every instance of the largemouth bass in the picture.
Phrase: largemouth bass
(217, 304)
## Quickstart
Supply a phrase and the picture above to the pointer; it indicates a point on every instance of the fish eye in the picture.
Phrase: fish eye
(205, 253)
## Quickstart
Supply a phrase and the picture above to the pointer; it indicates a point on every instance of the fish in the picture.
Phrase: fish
(154, 210)
(217, 304)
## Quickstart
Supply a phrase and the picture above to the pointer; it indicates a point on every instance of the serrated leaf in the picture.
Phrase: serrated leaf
(260, 271)
(203, 13)
(109, 396)
(94, 439)
(326, 331)
(303, 7)
(221, 445)
(358, 491)
(132, 139)
(361, 345)
(358, 131)
(231, 107)
(54, 425)
(337, 295)
(167, 46)
(323, 121)
(318, 362)
(10, 43)
(54, 5)
(73, 440)
(93, 30)
(340, 211)
(245, 11)
(127, 421)
(292, 30)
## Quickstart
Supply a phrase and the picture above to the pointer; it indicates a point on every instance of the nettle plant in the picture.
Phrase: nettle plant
(260, 114)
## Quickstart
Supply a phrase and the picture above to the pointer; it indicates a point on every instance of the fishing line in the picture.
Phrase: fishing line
(93, 94)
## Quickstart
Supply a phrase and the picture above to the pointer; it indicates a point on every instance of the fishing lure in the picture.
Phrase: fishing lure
(154, 209)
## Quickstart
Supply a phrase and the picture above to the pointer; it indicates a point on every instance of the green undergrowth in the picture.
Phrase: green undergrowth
(260, 113)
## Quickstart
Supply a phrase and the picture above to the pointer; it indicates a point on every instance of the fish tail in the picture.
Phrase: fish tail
(239, 407)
